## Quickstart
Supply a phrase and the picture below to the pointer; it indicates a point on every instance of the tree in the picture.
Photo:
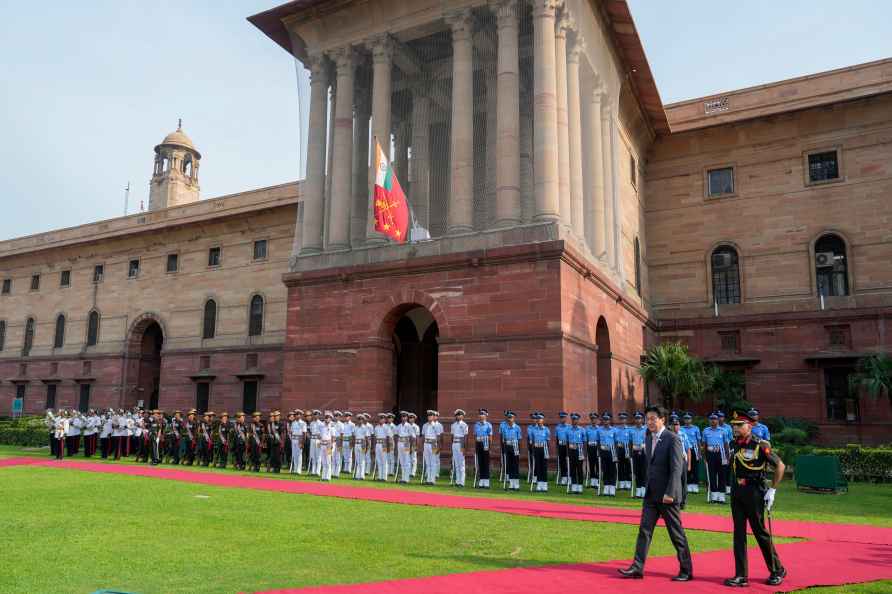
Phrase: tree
(728, 389)
(677, 373)
(874, 376)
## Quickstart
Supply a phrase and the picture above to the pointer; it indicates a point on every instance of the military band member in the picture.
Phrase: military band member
(695, 439)
(751, 498)
(458, 430)
(348, 428)
(274, 443)
(298, 431)
(189, 439)
(511, 437)
(622, 437)
(607, 455)
(431, 432)
(592, 440)
(156, 437)
(119, 432)
(105, 434)
(560, 436)
(173, 437)
(255, 440)
(638, 434)
(73, 437)
(326, 445)
(383, 438)
(239, 440)
(575, 454)
(539, 436)
(60, 432)
(482, 442)
(205, 440)
(405, 437)
(717, 454)
(223, 440)
(49, 421)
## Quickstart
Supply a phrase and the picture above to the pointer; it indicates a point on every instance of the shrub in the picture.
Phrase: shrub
(791, 435)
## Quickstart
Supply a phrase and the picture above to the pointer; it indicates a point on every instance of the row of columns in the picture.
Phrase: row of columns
(561, 191)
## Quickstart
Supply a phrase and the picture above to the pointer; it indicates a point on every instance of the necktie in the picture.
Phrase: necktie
(653, 444)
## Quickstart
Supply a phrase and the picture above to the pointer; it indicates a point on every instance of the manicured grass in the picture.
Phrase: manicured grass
(863, 504)
(69, 531)
(881, 587)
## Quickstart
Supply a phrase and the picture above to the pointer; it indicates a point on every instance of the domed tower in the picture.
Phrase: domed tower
(175, 180)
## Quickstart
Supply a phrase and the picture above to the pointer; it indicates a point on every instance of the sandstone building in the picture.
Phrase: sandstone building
(573, 219)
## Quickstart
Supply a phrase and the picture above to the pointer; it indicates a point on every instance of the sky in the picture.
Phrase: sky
(88, 88)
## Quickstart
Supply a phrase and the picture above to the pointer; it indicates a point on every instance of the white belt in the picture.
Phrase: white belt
(714, 448)
(593, 443)
(428, 440)
(603, 447)
(538, 444)
(637, 447)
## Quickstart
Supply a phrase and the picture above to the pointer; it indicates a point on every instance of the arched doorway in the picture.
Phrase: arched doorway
(605, 367)
(415, 361)
(149, 378)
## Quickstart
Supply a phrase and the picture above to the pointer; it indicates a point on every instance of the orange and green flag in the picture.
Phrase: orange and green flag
(391, 207)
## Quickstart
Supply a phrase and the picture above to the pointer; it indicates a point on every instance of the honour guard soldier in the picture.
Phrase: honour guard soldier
(637, 435)
(273, 443)
(695, 439)
(675, 427)
(622, 437)
(760, 430)
(511, 437)
(298, 431)
(173, 437)
(729, 432)
(156, 436)
(188, 443)
(431, 432)
(286, 448)
(539, 436)
(315, 466)
(205, 440)
(348, 428)
(361, 438)
(413, 420)
(405, 436)
(224, 437)
(752, 498)
(560, 436)
(383, 437)
(305, 454)
(482, 439)
(391, 454)
(326, 446)
(336, 427)
(459, 432)
(575, 454)
(239, 440)
(716, 446)
(255, 440)
(607, 455)
(592, 439)
(531, 424)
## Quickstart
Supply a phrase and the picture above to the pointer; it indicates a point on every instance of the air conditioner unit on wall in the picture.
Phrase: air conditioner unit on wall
(721, 261)
(824, 259)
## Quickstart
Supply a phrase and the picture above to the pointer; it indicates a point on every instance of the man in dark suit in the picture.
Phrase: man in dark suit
(663, 495)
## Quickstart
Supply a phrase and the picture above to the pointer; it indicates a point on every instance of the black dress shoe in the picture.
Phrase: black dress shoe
(631, 573)
(737, 582)
(777, 578)
(683, 577)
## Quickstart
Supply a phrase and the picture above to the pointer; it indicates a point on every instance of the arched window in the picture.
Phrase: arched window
(187, 166)
(255, 318)
(637, 266)
(59, 337)
(93, 328)
(831, 267)
(725, 275)
(209, 325)
(2, 334)
(29, 337)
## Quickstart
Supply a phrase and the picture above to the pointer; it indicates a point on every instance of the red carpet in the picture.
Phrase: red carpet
(837, 553)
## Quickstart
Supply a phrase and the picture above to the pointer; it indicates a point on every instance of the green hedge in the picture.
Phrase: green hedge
(23, 431)
(857, 463)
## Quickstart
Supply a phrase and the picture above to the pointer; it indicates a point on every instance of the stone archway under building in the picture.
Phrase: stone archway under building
(605, 367)
(145, 344)
(415, 372)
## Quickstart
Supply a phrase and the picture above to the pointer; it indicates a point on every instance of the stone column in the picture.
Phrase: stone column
(527, 173)
(421, 172)
(361, 195)
(597, 228)
(341, 167)
(574, 119)
(560, 74)
(545, 134)
(508, 210)
(382, 61)
(607, 159)
(460, 215)
(313, 207)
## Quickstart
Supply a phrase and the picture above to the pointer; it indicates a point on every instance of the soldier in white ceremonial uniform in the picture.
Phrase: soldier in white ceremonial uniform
(348, 427)
(315, 466)
(412, 421)
(383, 438)
(405, 436)
(326, 446)
(431, 432)
(361, 439)
(298, 430)
(459, 432)
(336, 428)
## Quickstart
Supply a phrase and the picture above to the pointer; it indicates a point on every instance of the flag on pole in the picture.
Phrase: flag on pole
(391, 207)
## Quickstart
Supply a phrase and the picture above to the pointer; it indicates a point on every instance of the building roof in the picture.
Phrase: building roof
(622, 29)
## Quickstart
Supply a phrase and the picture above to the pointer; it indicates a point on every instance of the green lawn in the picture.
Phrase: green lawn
(881, 587)
(69, 531)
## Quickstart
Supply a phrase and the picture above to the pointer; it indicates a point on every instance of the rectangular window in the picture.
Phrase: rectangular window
(23, 369)
(20, 393)
(633, 170)
(173, 262)
(35, 282)
(83, 403)
(839, 337)
(98, 273)
(133, 269)
(7, 286)
(2, 334)
(214, 256)
(65, 278)
(720, 182)
(730, 341)
(249, 397)
(203, 396)
(823, 166)
(251, 361)
(841, 404)
(260, 249)
(50, 396)
(54, 369)
(204, 362)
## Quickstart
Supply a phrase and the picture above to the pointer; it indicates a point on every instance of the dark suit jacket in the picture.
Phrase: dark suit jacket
(665, 468)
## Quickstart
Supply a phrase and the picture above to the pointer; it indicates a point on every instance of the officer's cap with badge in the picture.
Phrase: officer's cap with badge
(593, 415)
(458, 412)
(483, 412)
(562, 414)
(741, 417)
(606, 416)
(623, 415)
(509, 414)
(574, 416)
(713, 416)
(687, 416)
(638, 414)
